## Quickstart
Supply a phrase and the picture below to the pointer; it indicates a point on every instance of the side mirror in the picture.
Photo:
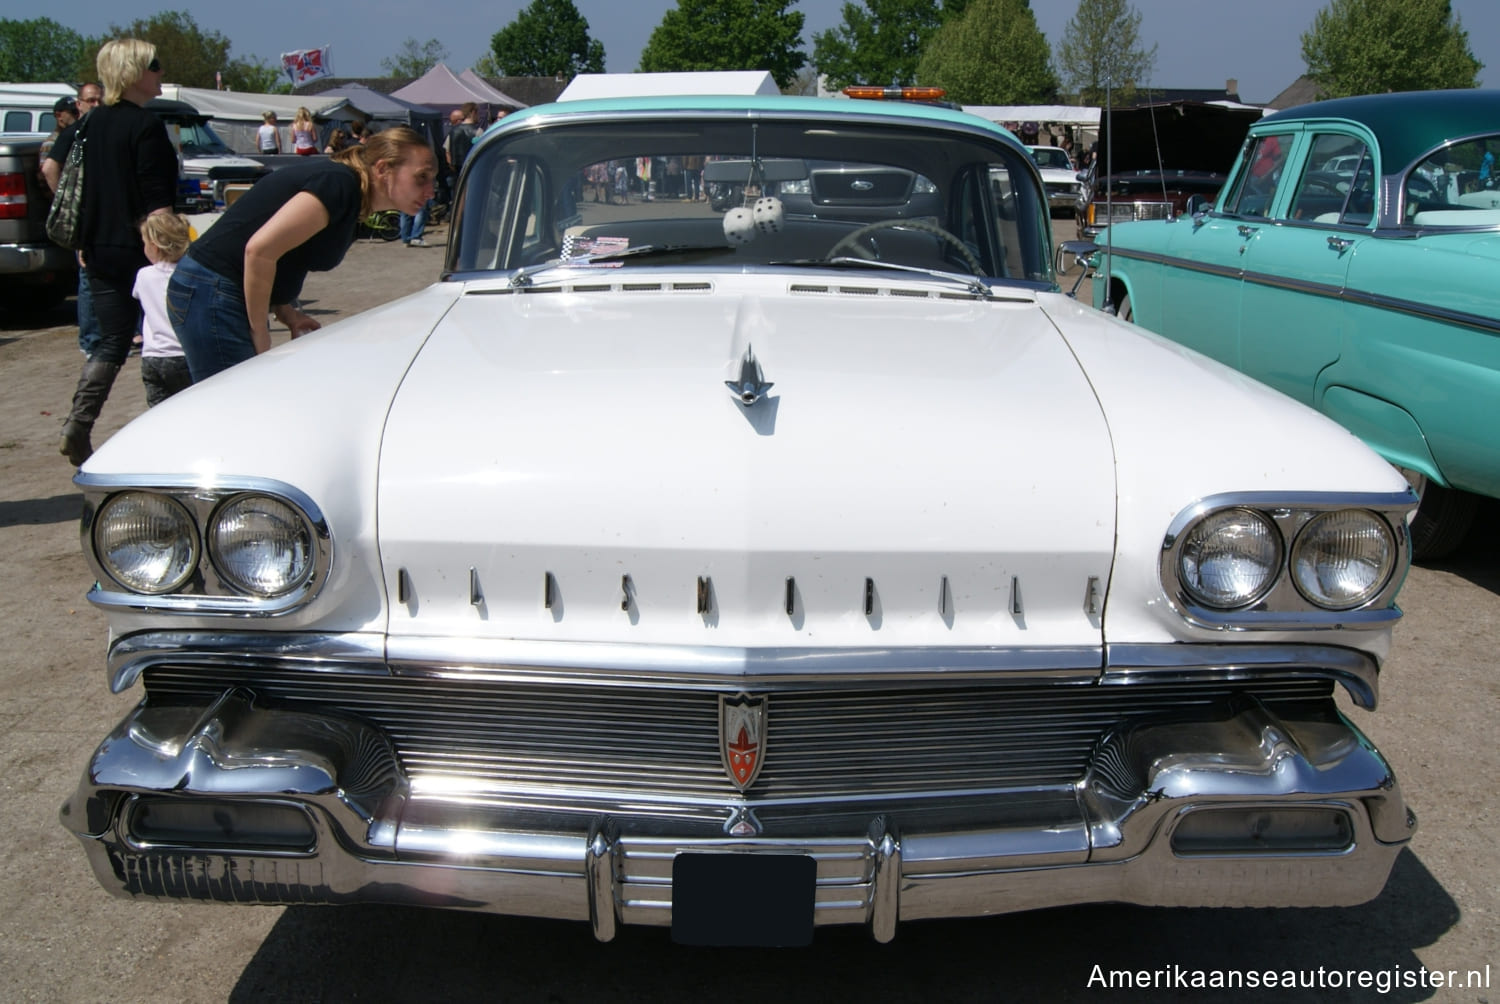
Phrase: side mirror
(1197, 205)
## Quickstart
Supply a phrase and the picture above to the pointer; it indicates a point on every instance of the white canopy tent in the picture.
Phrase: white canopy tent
(640, 85)
(237, 115)
(1085, 116)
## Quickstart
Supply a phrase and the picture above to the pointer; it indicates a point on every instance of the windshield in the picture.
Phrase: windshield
(721, 192)
(1050, 157)
(198, 140)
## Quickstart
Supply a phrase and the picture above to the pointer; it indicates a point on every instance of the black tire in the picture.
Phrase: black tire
(1122, 309)
(1443, 520)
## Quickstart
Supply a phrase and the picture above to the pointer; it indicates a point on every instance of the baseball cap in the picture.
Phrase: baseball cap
(64, 105)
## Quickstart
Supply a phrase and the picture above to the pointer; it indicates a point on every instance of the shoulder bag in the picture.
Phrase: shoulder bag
(65, 218)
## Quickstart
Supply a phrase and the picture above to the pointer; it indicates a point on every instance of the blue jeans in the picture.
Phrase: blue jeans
(208, 313)
(412, 226)
(88, 323)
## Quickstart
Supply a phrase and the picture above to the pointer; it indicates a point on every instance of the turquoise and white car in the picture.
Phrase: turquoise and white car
(1352, 262)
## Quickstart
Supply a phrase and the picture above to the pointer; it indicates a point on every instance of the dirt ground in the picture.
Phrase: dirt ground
(62, 938)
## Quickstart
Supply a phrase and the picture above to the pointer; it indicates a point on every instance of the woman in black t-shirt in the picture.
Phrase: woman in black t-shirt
(298, 219)
(129, 172)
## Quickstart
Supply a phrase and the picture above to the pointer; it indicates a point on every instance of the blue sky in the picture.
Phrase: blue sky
(1201, 43)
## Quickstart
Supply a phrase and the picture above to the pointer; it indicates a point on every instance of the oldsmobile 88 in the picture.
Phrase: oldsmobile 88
(742, 572)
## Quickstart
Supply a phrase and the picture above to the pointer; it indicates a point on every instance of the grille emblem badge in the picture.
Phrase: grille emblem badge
(742, 737)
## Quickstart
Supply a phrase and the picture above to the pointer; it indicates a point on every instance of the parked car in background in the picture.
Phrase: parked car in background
(1059, 178)
(1351, 263)
(34, 272)
(209, 167)
(742, 572)
(1153, 159)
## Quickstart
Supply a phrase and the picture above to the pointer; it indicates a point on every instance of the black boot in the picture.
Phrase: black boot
(88, 400)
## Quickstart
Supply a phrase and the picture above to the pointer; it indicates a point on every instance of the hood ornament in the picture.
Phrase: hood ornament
(752, 384)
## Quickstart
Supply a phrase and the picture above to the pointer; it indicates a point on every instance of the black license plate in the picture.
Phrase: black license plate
(753, 900)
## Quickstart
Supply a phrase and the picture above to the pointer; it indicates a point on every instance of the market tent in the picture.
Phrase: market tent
(384, 110)
(237, 115)
(495, 95)
(1074, 115)
(442, 90)
(636, 85)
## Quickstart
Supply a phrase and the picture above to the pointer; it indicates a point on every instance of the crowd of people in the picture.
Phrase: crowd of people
(200, 304)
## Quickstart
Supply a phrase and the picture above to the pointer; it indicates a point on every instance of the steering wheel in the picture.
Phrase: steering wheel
(849, 243)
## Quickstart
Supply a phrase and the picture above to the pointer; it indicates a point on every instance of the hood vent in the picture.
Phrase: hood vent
(698, 286)
(912, 293)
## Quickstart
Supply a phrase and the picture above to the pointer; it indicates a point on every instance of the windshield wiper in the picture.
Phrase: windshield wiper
(972, 283)
(522, 278)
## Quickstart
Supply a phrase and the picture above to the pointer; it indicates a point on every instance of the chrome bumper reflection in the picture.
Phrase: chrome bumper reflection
(237, 803)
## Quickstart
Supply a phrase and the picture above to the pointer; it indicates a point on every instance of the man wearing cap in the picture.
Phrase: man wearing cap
(65, 111)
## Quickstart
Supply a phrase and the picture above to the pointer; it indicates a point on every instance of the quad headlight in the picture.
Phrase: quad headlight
(246, 546)
(1230, 559)
(147, 542)
(261, 545)
(1340, 560)
(1258, 561)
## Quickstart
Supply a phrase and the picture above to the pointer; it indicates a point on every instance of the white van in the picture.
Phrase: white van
(28, 107)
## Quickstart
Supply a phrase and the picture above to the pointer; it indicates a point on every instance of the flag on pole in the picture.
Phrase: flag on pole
(307, 64)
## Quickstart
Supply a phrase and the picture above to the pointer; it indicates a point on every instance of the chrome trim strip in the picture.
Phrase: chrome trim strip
(131, 655)
(1426, 311)
(1357, 672)
(1186, 264)
(650, 665)
(202, 496)
(625, 664)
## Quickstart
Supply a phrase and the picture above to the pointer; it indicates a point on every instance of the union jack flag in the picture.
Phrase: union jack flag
(307, 64)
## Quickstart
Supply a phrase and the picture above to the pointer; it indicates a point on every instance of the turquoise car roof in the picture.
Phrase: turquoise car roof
(1407, 125)
(814, 107)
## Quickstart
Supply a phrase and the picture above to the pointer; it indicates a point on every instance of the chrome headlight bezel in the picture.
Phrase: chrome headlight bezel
(207, 590)
(1282, 604)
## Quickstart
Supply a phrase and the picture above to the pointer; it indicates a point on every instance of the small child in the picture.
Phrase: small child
(164, 368)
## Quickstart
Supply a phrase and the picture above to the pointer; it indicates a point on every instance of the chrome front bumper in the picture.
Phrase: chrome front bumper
(238, 803)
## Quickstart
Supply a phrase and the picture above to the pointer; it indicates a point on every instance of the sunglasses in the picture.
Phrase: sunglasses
(154, 66)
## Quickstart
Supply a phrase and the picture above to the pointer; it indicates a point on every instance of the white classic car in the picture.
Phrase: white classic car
(742, 572)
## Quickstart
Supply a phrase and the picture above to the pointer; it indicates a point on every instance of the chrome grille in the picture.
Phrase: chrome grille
(623, 742)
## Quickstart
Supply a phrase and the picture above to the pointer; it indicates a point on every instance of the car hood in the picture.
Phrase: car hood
(1174, 136)
(571, 465)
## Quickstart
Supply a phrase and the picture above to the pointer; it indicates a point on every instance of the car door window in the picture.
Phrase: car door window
(1255, 189)
(1335, 186)
(1457, 186)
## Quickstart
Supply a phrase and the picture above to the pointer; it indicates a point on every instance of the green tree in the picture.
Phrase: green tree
(189, 54)
(1370, 46)
(728, 35)
(880, 41)
(1102, 46)
(961, 56)
(414, 58)
(547, 39)
(254, 77)
(39, 51)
